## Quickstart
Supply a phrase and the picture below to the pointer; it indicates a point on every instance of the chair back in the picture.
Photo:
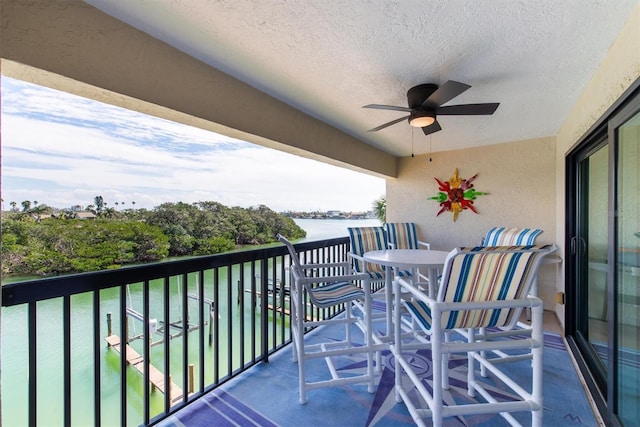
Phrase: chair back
(295, 261)
(402, 235)
(501, 236)
(366, 239)
(484, 274)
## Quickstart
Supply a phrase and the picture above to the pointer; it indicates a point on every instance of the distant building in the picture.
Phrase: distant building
(85, 215)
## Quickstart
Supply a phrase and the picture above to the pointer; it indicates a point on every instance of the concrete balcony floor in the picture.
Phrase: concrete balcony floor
(267, 395)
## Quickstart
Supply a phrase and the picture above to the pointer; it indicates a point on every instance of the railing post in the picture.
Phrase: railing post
(109, 331)
(212, 310)
(264, 308)
(191, 378)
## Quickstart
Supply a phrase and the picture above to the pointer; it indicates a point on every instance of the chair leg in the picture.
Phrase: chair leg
(537, 367)
(347, 331)
(299, 339)
(445, 364)
(397, 337)
(437, 358)
(471, 368)
(297, 317)
(483, 354)
(294, 319)
(368, 339)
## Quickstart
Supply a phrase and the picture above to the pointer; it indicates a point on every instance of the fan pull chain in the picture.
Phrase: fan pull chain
(411, 130)
(429, 148)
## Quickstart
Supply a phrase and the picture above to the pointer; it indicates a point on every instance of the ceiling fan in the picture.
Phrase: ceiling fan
(425, 104)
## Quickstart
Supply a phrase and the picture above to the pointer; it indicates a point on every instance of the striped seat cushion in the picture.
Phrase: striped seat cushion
(402, 235)
(481, 274)
(366, 239)
(334, 294)
(501, 236)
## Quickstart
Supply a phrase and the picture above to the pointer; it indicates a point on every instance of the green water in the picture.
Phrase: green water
(50, 391)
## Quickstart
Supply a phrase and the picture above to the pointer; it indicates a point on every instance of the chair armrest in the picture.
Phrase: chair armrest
(415, 291)
(358, 257)
(527, 301)
(344, 265)
(361, 259)
(425, 244)
(331, 279)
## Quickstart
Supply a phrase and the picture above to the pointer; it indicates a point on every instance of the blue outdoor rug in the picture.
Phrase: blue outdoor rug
(267, 395)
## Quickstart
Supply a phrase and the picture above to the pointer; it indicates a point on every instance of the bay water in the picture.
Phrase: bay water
(50, 393)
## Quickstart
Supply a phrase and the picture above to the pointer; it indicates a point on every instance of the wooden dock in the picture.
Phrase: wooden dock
(280, 309)
(156, 378)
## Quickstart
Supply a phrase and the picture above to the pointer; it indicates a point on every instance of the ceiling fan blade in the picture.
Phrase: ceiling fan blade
(392, 122)
(468, 109)
(445, 93)
(387, 107)
(435, 127)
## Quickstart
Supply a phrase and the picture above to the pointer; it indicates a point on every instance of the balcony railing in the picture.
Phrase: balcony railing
(206, 318)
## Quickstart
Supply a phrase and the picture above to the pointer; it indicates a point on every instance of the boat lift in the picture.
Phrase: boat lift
(281, 293)
(134, 359)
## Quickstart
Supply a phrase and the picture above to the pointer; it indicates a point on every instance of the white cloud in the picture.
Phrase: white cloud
(63, 150)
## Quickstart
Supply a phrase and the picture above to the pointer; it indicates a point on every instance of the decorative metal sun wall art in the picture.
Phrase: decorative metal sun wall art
(456, 195)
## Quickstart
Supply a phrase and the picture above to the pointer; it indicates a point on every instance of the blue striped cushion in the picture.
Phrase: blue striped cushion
(501, 236)
(481, 274)
(366, 239)
(334, 294)
(403, 235)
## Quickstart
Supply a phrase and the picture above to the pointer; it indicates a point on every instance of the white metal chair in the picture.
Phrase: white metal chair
(366, 239)
(502, 236)
(482, 287)
(328, 285)
(404, 235)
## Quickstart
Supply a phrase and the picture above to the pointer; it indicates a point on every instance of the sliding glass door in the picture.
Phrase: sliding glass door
(589, 249)
(627, 272)
(603, 264)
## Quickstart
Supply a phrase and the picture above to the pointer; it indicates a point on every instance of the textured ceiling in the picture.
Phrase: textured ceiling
(328, 58)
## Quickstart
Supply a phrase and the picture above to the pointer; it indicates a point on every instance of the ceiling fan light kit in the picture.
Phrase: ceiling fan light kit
(426, 101)
(420, 119)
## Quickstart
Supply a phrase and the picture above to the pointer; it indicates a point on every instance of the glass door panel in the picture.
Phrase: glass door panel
(628, 272)
(596, 242)
(590, 247)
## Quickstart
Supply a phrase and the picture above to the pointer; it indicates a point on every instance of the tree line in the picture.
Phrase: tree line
(47, 242)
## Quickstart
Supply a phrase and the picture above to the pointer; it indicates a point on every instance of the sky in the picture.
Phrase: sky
(62, 150)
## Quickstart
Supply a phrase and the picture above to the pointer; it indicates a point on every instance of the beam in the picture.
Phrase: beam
(75, 47)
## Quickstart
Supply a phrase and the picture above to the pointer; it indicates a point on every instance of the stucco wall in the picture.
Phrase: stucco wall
(618, 70)
(519, 177)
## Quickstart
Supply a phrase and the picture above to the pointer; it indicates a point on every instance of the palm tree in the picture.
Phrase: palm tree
(99, 204)
(380, 209)
(13, 206)
(26, 205)
(134, 205)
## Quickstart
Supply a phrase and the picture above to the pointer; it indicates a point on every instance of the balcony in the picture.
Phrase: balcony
(220, 345)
